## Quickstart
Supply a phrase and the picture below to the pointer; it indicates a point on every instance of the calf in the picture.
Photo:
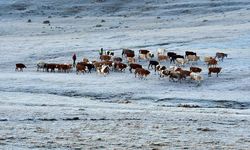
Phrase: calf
(220, 56)
(117, 59)
(153, 63)
(19, 67)
(216, 70)
(195, 69)
(134, 66)
(180, 61)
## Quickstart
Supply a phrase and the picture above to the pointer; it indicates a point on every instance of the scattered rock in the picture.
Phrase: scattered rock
(205, 20)
(98, 25)
(103, 20)
(205, 129)
(188, 106)
(76, 17)
(3, 119)
(29, 21)
(46, 119)
(74, 118)
(46, 22)
(124, 102)
(158, 17)
(49, 16)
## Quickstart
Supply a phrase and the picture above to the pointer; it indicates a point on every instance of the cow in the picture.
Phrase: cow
(160, 69)
(105, 57)
(171, 54)
(195, 69)
(134, 66)
(175, 75)
(220, 56)
(80, 67)
(41, 65)
(180, 61)
(120, 66)
(161, 51)
(85, 60)
(184, 73)
(141, 72)
(117, 59)
(89, 66)
(103, 70)
(130, 55)
(212, 62)
(64, 67)
(130, 60)
(143, 51)
(207, 58)
(189, 53)
(153, 63)
(193, 58)
(127, 51)
(144, 54)
(216, 70)
(19, 67)
(51, 67)
(163, 58)
(174, 57)
(196, 76)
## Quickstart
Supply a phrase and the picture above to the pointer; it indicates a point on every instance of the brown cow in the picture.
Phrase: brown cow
(212, 62)
(127, 51)
(141, 72)
(105, 57)
(108, 63)
(162, 58)
(214, 70)
(195, 69)
(80, 67)
(134, 66)
(130, 55)
(143, 51)
(220, 56)
(64, 67)
(19, 67)
(120, 66)
(103, 70)
(51, 67)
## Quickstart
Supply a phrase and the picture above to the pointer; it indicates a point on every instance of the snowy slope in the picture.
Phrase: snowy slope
(40, 109)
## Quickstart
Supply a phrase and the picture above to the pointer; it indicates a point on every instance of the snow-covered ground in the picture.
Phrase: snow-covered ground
(40, 110)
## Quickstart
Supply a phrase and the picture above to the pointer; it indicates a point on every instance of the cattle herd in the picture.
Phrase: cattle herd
(175, 72)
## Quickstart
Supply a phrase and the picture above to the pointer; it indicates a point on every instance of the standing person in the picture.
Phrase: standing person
(101, 51)
(74, 59)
